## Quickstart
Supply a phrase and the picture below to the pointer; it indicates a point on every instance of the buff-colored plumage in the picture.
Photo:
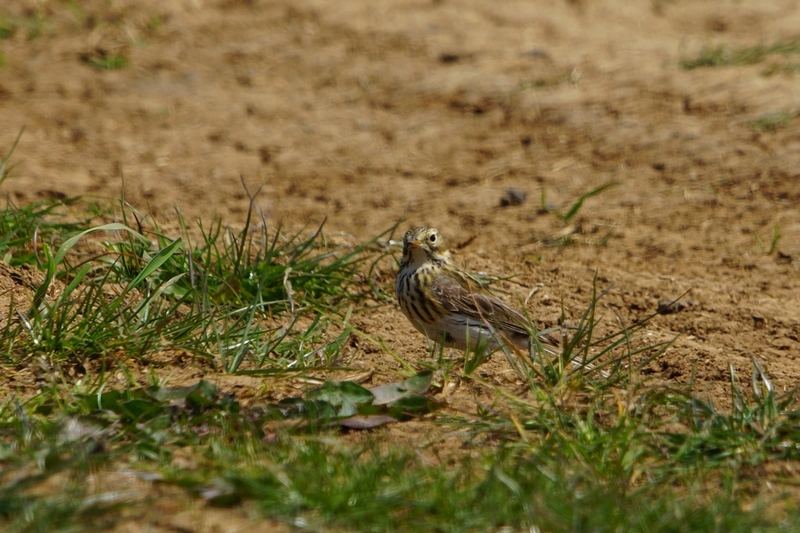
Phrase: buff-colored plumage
(449, 306)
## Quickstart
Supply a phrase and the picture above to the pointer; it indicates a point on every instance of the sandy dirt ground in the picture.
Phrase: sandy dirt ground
(366, 112)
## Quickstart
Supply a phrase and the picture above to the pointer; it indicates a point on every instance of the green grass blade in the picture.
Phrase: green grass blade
(72, 241)
(154, 264)
(4, 172)
(579, 203)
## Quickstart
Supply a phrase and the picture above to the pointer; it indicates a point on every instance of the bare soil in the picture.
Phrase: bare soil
(365, 112)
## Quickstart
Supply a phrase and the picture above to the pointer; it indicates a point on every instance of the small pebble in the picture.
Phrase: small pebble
(667, 306)
(513, 197)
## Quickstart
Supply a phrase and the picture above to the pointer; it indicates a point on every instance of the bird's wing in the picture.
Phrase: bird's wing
(461, 294)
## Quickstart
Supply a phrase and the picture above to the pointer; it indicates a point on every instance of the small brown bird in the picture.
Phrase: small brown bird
(450, 306)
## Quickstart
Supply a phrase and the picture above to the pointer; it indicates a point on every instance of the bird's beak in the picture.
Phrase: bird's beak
(414, 244)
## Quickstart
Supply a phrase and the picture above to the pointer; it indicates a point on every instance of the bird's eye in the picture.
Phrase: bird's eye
(432, 238)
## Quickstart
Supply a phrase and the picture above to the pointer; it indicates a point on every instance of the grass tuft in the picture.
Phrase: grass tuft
(103, 60)
(33, 24)
(723, 56)
(565, 235)
(773, 121)
(226, 299)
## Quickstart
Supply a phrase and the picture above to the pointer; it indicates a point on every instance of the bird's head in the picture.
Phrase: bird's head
(422, 244)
